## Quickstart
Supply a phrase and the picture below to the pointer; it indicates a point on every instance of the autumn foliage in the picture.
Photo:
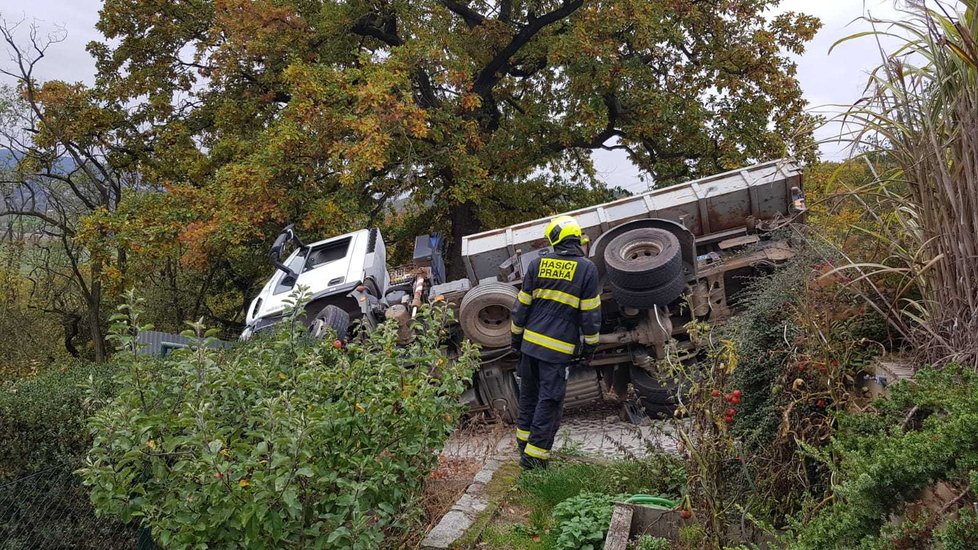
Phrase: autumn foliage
(323, 114)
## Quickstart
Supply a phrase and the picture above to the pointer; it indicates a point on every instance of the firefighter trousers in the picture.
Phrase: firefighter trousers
(542, 388)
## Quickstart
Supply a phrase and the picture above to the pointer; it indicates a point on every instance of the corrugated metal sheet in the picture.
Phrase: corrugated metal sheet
(154, 342)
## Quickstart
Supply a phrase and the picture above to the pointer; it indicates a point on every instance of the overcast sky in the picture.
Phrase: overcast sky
(825, 79)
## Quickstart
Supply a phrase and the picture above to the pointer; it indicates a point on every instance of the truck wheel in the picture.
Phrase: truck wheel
(485, 314)
(643, 258)
(658, 396)
(647, 299)
(330, 318)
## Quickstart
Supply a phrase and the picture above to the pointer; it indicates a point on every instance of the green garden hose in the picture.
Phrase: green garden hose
(652, 500)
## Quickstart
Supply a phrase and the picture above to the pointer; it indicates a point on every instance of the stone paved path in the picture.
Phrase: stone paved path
(596, 433)
(601, 435)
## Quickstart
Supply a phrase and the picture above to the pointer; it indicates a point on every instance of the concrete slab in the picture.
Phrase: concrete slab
(475, 500)
(452, 526)
(469, 503)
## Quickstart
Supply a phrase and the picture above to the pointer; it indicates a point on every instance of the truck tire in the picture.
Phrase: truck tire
(330, 318)
(658, 396)
(643, 258)
(485, 314)
(648, 298)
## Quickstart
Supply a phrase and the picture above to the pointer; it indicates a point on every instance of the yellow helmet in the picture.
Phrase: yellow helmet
(563, 227)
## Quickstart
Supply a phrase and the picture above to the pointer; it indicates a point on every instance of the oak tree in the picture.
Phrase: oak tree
(472, 113)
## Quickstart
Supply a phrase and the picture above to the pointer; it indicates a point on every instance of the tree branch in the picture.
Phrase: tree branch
(596, 142)
(40, 216)
(506, 11)
(471, 17)
(493, 72)
(367, 26)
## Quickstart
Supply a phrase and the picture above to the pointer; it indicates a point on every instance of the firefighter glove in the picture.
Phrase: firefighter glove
(587, 354)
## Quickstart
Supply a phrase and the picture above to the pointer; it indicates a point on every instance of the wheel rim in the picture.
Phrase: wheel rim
(637, 251)
(494, 319)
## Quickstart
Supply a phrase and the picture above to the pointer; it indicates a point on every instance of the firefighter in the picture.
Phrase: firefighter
(556, 320)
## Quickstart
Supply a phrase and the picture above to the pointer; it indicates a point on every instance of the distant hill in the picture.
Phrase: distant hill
(19, 194)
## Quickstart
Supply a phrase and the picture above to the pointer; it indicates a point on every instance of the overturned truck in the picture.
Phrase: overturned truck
(665, 257)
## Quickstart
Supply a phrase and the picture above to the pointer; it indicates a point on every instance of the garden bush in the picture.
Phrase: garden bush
(43, 439)
(882, 460)
(283, 441)
(42, 419)
(803, 339)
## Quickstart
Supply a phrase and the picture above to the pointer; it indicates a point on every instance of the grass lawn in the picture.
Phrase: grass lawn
(524, 519)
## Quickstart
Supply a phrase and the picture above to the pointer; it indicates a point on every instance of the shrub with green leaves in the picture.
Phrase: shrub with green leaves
(284, 441)
(42, 420)
(582, 521)
(43, 438)
(882, 460)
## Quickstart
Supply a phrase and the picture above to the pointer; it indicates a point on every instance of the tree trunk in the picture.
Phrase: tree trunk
(95, 322)
(70, 322)
(464, 222)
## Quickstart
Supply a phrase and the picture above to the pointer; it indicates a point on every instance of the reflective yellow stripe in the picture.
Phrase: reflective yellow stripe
(558, 296)
(548, 342)
(525, 298)
(591, 338)
(537, 452)
(591, 303)
(522, 435)
(516, 329)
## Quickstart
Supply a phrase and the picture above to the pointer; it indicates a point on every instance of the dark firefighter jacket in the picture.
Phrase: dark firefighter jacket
(559, 305)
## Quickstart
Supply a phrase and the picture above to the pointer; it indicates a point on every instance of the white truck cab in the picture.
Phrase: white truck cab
(330, 269)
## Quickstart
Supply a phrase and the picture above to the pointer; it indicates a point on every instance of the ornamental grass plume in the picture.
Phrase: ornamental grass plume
(917, 128)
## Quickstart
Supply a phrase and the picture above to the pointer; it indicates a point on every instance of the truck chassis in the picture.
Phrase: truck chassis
(666, 257)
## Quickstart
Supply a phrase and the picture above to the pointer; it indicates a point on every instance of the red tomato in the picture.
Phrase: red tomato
(738, 394)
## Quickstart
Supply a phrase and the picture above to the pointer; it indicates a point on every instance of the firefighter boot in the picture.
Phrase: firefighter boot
(532, 463)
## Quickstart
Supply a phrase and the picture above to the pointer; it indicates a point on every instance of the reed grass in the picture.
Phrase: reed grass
(917, 128)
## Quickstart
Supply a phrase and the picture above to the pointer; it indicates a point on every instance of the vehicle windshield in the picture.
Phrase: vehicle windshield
(287, 282)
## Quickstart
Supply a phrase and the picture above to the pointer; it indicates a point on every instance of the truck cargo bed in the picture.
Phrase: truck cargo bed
(711, 208)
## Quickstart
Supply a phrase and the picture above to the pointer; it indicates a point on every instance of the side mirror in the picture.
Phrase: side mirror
(287, 234)
(279, 245)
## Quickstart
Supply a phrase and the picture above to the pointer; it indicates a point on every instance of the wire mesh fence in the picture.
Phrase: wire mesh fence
(51, 510)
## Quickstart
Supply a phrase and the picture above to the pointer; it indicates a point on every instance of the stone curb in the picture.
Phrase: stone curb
(469, 506)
